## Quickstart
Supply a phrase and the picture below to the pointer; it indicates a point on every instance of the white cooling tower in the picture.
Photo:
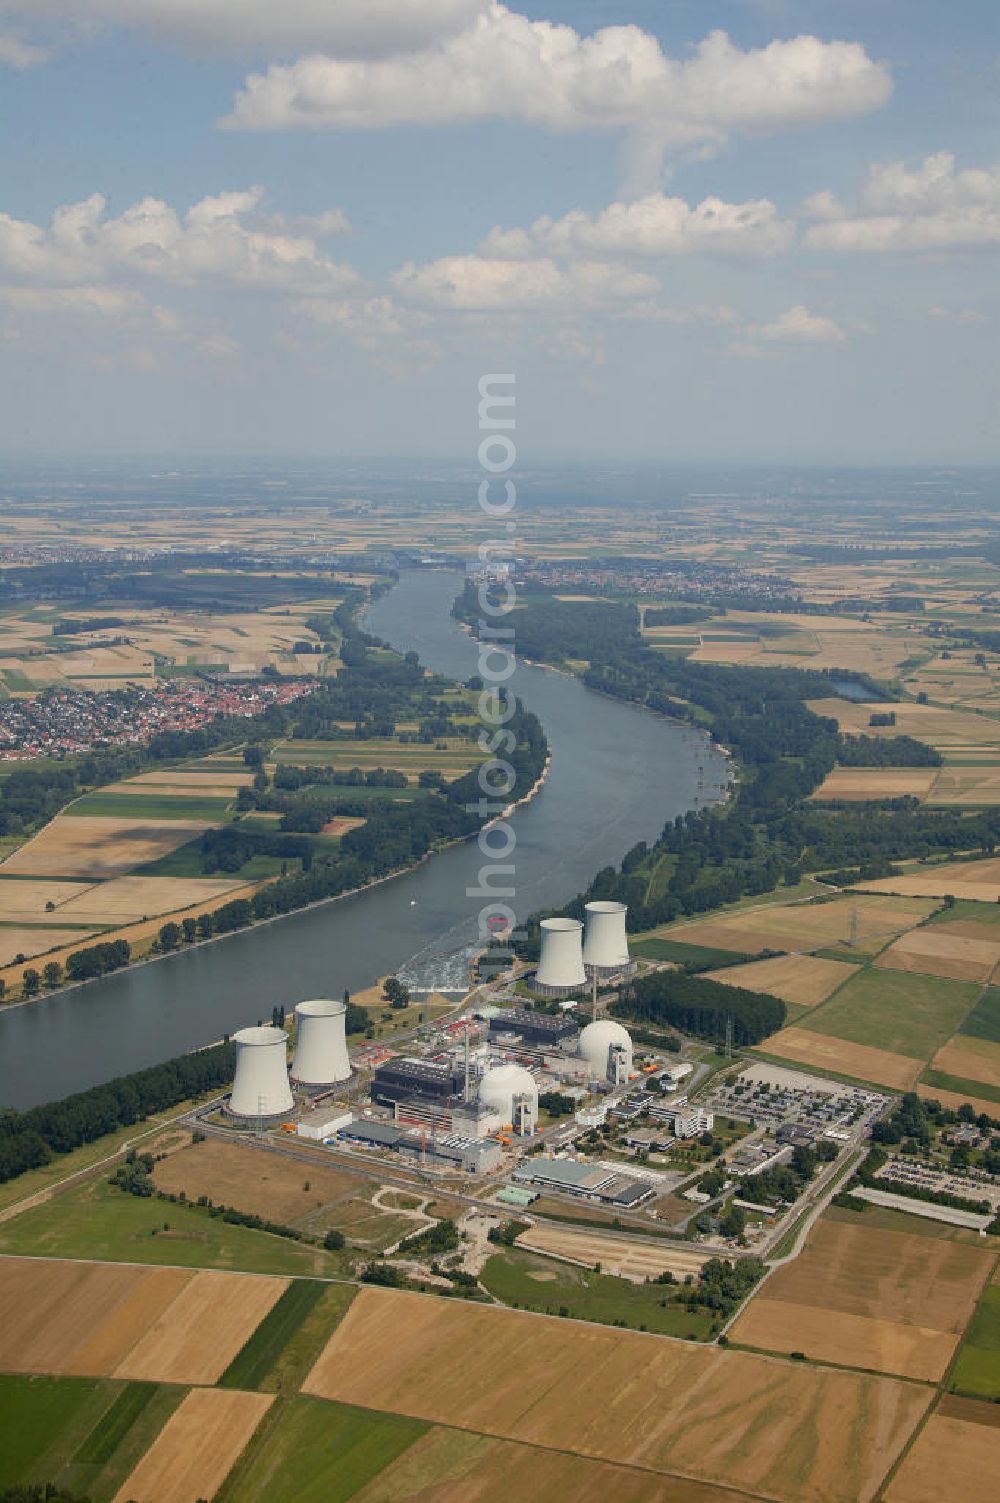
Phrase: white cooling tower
(605, 946)
(607, 1048)
(510, 1090)
(320, 1044)
(560, 964)
(260, 1086)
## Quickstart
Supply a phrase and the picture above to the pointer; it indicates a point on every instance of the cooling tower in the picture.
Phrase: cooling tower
(320, 1044)
(560, 965)
(607, 1048)
(260, 1086)
(605, 946)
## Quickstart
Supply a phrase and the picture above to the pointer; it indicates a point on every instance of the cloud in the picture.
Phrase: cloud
(217, 240)
(958, 315)
(798, 326)
(505, 66)
(367, 28)
(88, 302)
(19, 54)
(483, 284)
(931, 208)
(651, 226)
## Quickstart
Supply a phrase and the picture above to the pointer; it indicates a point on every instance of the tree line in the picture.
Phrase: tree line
(701, 1007)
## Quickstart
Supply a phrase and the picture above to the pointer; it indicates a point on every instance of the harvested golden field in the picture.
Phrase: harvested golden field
(201, 780)
(15, 941)
(201, 1330)
(197, 1447)
(340, 824)
(88, 846)
(116, 1320)
(944, 729)
(453, 1466)
(23, 902)
(860, 1061)
(978, 880)
(953, 1460)
(866, 1297)
(802, 979)
(970, 1059)
(124, 900)
(955, 1099)
(251, 1179)
(732, 1419)
(860, 783)
(938, 951)
(625, 1256)
(806, 926)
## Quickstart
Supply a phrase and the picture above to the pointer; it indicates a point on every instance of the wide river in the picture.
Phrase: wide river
(618, 773)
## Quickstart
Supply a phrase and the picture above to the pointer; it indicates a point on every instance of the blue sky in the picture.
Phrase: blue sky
(762, 230)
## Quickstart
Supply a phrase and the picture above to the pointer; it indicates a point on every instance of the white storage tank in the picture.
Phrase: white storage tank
(321, 1057)
(260, 1085)
(605, 944)
(510, 1090)
(607, 1048)
(560, 964)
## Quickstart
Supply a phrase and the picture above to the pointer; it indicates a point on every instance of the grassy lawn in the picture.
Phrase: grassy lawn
(95, 1220)
(983, 1021)
(254, 1361)
(317, 1452)
(45, 1420)
(977, 1370)
(895, 1010)
(150, 806)
(535, 1283)
(964, 908)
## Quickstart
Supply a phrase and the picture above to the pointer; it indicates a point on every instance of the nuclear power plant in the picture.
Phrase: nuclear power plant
(607, 1048)
(321, 1057)
(605, 944)
(560, 963)
(260, 1086)
(510, 1090)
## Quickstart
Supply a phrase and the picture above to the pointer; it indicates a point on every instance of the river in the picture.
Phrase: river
(617, 774)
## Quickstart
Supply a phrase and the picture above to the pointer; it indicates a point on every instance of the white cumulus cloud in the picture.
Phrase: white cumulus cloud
(217, 240)
(798, 326)
(653, 225)
(505, 66)
(484, 284)
(933, 207)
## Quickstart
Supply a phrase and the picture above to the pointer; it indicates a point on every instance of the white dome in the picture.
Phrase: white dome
(500, 1085)
(596, 1040)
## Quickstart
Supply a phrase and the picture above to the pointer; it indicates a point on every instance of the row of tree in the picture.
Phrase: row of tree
(701, 1007)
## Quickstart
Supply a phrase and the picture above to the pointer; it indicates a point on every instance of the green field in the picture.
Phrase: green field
(151, 806)
(535, 1283)
(977, 1368)
(409, 757)
(962, 908)
(972, 1089)
(45, 1421)
(95, 1220)
(895, 1010)
(983, 1021)
(188, 861)
(254, 1361)
(673, 949)
(111, 1429)
(317, 1452)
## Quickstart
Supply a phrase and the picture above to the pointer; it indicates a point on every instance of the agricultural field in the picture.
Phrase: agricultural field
(840, 1058)
(232, 1174)
(964, 950)
(625, 1257)
(196, 1447)
(862, 1297)
(729, 1419)
(900, 1012)
(803, 980)
(98, 848)
(860, 924)
(976, 881)
(862, 784)
(955, 1457)
(30, 942)
(953, 733)
(96, 1220)
(448, 755)
(105, 1320)
(977, 1370)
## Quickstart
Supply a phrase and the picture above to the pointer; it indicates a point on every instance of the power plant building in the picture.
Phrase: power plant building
(427, 1079)
(538, 1029)
(511, 1091)
(321, 1057)
(607, 1048)
(260, 1085)
(605, 943)
(560, 962)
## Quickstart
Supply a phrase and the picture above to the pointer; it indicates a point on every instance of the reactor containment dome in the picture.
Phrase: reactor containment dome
(260, 1085)
(560, 963)
(321, 1057)
(605, 946)
(510, 1090)
(607, 1048)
